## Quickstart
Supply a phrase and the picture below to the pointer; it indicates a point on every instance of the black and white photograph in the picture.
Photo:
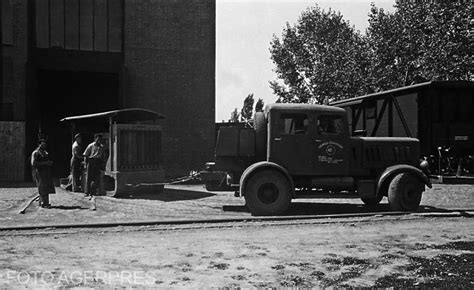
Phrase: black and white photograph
(236, 144)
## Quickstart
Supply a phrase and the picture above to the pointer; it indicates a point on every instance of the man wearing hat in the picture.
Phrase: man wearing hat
(94, 157)
(76, 163)
(41, 164)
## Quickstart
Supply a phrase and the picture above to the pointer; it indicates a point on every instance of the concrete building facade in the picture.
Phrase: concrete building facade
(72, 57)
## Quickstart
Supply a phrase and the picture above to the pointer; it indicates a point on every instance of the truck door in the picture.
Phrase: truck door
(290, 142)
(330, 146)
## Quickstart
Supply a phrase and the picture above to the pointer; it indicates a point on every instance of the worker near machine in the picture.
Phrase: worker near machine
(94, 158)
(41, 164)
(76, 163)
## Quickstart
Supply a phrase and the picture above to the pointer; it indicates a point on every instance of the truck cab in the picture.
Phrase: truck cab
(302, 150)
(308, 140)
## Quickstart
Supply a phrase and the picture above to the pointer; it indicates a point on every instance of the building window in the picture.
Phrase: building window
(294, 124)
(91, 25)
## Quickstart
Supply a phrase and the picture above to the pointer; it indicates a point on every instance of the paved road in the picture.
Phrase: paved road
(185, 202)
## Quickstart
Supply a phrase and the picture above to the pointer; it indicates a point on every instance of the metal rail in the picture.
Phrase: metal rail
(450, 213)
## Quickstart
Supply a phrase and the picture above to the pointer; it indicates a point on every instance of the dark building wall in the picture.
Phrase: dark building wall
(14, 58)
(169, 58)
(166, 62)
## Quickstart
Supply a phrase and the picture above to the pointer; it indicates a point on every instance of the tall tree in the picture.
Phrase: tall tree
(421, 40)
(234, 116)
(247, 109)
(259, 105)
(320, 56)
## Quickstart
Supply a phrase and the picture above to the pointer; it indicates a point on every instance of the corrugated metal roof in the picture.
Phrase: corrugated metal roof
(124, 115)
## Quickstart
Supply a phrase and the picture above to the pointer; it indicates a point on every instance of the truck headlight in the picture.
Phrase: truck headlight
(425, 166)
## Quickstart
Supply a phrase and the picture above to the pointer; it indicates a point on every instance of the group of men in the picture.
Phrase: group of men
(92, 159)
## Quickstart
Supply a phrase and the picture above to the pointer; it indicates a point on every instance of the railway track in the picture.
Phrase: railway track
(240, 220)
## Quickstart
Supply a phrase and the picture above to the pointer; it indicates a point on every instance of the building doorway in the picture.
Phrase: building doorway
(67, 93)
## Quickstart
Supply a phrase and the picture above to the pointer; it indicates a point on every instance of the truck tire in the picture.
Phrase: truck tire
(372, 200)
(268, 192)
(404, 192)
(260, 127)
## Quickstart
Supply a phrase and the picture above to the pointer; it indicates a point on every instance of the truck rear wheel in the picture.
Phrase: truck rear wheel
(404, 192)
(268, 192)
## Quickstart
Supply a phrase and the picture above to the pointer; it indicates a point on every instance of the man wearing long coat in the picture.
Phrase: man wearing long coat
(41, 164)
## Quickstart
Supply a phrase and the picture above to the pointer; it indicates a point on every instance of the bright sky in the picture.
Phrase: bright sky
(244, 31)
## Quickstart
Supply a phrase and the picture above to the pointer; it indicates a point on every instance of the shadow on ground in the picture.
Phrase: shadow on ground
(65, 207)
(169, 194)
(327, 208)
(4, 184)
(313, 208)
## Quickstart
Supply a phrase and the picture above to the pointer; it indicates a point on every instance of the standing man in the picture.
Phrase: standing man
(41, 164)
(76, 163)
(94, 156)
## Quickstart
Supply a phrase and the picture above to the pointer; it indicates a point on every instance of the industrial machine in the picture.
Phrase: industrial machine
(133, 141)
(301, 150)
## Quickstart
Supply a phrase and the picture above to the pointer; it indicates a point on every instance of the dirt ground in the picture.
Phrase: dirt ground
(193, 202)
(430, 248)
(364, 252)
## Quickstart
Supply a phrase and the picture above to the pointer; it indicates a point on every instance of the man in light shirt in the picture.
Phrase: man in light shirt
(95, 158)
(76, 163)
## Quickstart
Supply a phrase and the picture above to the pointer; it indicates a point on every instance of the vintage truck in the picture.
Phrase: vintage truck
(302, 150)
(133, 141)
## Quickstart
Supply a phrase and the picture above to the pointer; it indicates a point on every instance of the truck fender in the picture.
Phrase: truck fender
(263, 165)
(399, 168)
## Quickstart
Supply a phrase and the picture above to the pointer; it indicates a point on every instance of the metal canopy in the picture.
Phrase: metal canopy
(119, 116)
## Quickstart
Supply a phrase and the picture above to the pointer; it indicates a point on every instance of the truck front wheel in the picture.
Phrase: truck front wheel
(404, 192)
(268, 192)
